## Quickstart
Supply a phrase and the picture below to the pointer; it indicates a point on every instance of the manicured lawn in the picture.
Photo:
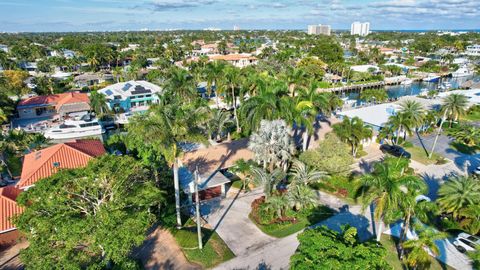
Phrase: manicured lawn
(472, 116)
(388, 243)
(305, 218)
(345, 187)
(214, 251)
(419, 155)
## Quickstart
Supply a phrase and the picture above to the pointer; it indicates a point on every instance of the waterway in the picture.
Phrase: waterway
(414, 89)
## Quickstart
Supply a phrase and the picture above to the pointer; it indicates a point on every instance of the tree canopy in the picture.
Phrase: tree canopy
(88, 218)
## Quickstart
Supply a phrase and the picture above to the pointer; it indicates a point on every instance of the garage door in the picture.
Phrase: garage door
(209, 193)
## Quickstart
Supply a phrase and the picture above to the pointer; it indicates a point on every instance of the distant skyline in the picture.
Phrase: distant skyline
(115, 15)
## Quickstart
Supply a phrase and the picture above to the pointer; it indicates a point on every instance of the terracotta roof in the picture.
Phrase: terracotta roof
(58, 99)
(44, 163)
(8, 207)
(232, 57)
(217, 157)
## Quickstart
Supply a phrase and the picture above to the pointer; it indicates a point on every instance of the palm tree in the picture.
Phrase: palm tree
(213, 73)
(218, 123)
(458, 194)
(272, 144)
(414, 112)
(98, 103)
(470, 135)
(294, 77)
(164, 126)
(180, 83)
(401, 124)
(418, 256)
(471, 218)
(333, 102)
(266, 180)
(232, 79)
(3, 116)
(454, 105)
(386, 188)
(307, 105)
(353, 131)
(302, 175)
(244, 170)
(277, 204)
(301, 196)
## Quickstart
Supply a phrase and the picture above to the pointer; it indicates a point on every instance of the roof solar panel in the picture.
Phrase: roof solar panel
(109, 92)
(126, 86)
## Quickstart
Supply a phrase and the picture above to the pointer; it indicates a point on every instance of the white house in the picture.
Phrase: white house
(473, 50)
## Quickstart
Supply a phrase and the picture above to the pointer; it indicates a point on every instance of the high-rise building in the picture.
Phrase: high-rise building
(319, 30)
(361, 29)
(236, 28)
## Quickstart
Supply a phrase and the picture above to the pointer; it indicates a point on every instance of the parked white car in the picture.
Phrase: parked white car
(466, 242)
(477, 171)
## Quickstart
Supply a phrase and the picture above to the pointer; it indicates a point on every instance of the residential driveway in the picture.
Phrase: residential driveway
(229, 218)
(443, 148)
(277, 253)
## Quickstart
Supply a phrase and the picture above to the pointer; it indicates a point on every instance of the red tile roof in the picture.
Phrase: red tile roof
(44, 163)
(8, 207)
(58, 99)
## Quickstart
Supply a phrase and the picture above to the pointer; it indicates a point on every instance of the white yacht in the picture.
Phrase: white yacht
(462, 72)
(86, 126)
(407, 82)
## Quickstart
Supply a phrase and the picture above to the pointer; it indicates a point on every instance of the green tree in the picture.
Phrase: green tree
(353, 131)
(266, 180)
(458, 194)
(386, 188)
(301, 174)
(331, 156)
(218, 123)
(232, 79)
(98, 103)
(417, 255)
(301, 196)
(277, 204)
(322, 248)
(88, 218)
(181, 84)
(454, 106)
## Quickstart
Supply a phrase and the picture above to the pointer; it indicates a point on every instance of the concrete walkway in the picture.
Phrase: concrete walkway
(229, 218)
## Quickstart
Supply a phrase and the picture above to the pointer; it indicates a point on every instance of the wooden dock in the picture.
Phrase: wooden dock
(354, 87)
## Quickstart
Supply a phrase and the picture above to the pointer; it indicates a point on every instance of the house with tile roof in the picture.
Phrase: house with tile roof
(239, 60)
(69, 155)
(50, 106)
(38, 165)
(131, 95)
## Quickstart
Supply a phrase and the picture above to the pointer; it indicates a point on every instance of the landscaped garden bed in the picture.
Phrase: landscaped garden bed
(291, 222)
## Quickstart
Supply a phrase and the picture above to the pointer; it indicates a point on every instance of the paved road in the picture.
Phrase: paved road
(443, 148)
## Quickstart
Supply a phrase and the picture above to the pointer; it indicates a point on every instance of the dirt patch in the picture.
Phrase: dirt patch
(160, 251)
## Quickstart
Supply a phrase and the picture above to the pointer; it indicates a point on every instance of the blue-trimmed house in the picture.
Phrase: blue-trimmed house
(131, 95)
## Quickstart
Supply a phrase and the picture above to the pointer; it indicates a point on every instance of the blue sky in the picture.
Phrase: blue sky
(99, 15)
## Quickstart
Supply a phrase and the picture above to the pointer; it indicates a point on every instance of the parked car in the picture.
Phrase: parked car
(465, 242)
(395, 150)
(476, 171)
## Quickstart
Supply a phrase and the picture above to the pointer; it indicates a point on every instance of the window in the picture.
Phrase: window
(468, 243)
(148, 95)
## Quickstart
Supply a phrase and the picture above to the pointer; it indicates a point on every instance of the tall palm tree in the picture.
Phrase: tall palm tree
(401, 124)
(458, 194)
(307, 106)
(267, 105)
(294, 77)
(301, 196)
(418, 256)
(267, 180)
(386, 188)
(454, 106)
(164, 126)
(414, 112)
(353, 131)
(232, 79)
(471, 218)
(302, 175)
(180, 83)
(213, 74)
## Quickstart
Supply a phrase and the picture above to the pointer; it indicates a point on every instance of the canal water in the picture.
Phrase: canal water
(396, 91)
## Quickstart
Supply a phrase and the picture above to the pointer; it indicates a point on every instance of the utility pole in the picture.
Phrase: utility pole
(197, 206)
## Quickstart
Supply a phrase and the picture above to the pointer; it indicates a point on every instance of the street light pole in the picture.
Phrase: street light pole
(197, 207)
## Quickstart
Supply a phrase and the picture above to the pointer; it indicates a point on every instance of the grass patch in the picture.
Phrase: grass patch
(214, 251)
(237, 184)
(345, 187)
(465, 149)
(389, 243)
(305, 218)
(419, 155)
